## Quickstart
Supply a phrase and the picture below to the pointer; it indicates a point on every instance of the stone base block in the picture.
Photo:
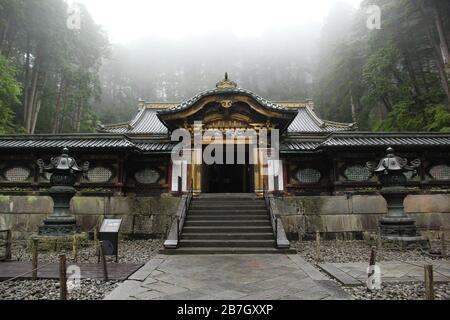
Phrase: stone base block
(58, 243)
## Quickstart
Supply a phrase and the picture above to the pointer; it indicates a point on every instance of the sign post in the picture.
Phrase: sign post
(109, 236)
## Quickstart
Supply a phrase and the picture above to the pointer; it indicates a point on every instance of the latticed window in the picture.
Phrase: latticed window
(99, 175)
(441, 172)
(17, 174)
(308, 175)
(147, 176)
(357, 173)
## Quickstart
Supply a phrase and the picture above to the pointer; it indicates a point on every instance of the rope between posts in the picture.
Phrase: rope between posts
(28, 272)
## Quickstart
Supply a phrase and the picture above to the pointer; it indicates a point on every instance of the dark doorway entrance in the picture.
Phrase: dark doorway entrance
(228, 178)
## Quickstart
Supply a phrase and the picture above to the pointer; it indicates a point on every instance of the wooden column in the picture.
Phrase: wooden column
(196, 171)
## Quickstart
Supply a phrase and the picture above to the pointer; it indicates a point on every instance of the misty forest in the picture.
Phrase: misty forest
(57, 80)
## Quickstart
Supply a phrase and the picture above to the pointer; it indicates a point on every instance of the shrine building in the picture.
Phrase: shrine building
(319, 183)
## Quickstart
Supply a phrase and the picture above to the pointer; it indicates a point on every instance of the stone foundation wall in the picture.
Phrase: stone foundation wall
(152, 216)
(142, 216)
(352, 215)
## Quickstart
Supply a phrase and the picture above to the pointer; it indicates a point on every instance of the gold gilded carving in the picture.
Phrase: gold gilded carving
(227, 104)
(226, 83)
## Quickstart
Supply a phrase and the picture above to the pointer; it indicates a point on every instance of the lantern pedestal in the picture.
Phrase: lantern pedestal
(61, 222)
(396, 225)
(63, 169)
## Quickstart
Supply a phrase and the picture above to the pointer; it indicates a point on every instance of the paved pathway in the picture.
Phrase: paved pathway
(228, 277)
(355, 274)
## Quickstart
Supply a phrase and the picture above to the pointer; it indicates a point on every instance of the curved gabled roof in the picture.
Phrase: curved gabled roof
(145, 122)
(148, 120)
(308, 121)
(231, 91)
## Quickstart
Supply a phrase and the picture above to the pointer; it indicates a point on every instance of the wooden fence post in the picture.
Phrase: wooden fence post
(34, 264)
(318, 255)
(443, 243)
(8, 253)
(429, 283)
(75, 248)
(105, 267)
(62, 278)
(379, 239)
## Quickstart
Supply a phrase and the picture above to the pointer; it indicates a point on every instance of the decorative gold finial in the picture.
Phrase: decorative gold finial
(226, 83)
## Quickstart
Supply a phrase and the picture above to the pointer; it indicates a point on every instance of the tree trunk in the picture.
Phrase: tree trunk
(354, 111)
(58, 107)
(25, 83)
(31, 98)
(78, 115)
(439, 58)
(36, 114)
(442, 39)
(4, 33)
(63, 108)
(411, 72)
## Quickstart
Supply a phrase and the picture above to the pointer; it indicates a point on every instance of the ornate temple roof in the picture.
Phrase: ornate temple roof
(370, 139)
(82, 141)
(366, 140)
(147, 133)
(308, 121)
(145, 122)
(148, 120)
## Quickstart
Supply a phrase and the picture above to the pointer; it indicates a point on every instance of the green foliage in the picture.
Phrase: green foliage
(65, 63)
(391, 73)
(10, 90)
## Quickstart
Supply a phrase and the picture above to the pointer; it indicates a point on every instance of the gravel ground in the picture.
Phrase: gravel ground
(355, 251)
(139, 251)
(399, 291)
(359, 251)
(49, 290)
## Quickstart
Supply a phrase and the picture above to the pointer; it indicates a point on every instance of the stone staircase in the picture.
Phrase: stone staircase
(227, 223)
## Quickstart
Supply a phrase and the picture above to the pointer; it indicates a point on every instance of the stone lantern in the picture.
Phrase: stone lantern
(396, 225)
(64, 170)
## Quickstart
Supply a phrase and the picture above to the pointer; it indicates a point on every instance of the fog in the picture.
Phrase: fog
(129, 20)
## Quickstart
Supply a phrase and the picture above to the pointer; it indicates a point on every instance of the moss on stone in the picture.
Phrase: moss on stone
(58, 243)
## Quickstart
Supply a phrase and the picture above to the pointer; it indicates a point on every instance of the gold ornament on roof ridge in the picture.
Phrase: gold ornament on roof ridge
(226, 83)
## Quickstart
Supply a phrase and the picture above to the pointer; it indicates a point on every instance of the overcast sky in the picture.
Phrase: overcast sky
(127, 20)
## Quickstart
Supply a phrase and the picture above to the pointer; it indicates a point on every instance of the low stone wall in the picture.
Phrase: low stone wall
(142, 216)
(353, 214)
(152, 216)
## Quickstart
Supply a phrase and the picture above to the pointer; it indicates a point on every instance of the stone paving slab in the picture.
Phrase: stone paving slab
(355, 274)
(228, 277)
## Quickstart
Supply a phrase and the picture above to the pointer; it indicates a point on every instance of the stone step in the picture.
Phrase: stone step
(226, 199)
(228, 211)
(227, 243)
(222, 205)
(212, 251)
(228, 236)
(205, 213)
(238, 196)
(225, 229)
(236, 217)
(218, 206)
(229, 223)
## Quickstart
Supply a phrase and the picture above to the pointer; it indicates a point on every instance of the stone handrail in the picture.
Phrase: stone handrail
(277, 224)
(178, 223)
